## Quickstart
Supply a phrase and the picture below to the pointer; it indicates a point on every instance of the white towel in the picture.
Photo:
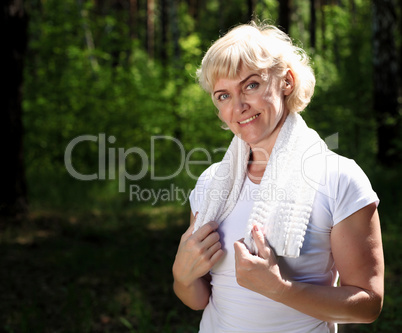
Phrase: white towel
(287, 189)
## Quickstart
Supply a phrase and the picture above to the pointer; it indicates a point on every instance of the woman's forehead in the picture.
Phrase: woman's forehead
(241, 75)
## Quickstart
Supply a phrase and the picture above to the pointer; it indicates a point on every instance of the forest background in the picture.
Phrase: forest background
(101, 112)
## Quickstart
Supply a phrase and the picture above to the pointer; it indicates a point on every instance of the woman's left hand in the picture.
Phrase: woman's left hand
(357, 249)
(259, 273)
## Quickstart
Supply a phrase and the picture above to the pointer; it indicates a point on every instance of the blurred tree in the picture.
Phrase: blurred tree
(133, 19)
(193, 8)
(89, 41)
(323, 24)
(174, 28)
(251, 8)
(150, 27)
(222, 12)
(284, 15)
(385, 69)
(313, 23)
(13, 194)
(164, 32)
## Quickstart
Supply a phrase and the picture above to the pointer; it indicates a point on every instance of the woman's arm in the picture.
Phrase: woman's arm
(357, 250)
(196, 255)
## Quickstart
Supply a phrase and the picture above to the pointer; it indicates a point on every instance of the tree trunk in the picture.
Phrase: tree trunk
(174, 28)
(284, 15)
(164, 27)
(323, 26)
(151, 27)
(385, 77)
(313, 23)
(400, 52)
(193, 8)
(133, 19)
(13, 193)
(352, 6)
(89, 41)
(221, 17)
(250, 9)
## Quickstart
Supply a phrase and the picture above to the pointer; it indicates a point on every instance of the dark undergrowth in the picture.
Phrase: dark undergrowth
(92, 273)
(100, 270)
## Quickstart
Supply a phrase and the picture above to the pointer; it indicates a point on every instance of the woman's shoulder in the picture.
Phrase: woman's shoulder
(346, 186)
(207, 175)
(203, 182)
(343, 171)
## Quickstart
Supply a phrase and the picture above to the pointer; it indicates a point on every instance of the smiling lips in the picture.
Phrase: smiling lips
(249, 119)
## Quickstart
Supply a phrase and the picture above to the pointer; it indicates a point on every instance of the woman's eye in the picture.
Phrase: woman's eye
(223, 97)
(252, 85)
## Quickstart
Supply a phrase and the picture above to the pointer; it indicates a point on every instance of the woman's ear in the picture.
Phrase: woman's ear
(289, 83)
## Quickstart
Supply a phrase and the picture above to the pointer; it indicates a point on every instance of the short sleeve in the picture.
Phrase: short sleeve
(353, 190)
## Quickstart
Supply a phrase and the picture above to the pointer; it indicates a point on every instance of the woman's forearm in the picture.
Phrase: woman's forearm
(344, 304)
(358, 258)
(196, 295)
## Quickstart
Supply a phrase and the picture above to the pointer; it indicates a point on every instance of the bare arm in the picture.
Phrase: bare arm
(357, 250)
(196, 255)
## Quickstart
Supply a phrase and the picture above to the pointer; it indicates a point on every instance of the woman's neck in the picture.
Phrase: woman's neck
(259, 155)
(257, 164)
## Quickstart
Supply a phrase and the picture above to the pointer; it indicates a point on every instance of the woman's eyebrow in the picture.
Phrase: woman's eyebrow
(247, 78)
(239, 84)
(218, 91)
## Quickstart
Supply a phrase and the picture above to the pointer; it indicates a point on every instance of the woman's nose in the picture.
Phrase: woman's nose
(239, 104)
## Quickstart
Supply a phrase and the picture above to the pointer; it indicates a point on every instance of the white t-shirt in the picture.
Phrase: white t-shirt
(344, 189)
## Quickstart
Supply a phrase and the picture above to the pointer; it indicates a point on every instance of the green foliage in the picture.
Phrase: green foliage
(112, 87)
(343, 98)
(127, 99)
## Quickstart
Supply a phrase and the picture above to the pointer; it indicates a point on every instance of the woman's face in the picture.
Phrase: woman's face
(252, 105)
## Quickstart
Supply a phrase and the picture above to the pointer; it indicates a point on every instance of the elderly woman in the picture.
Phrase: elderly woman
(281, 219)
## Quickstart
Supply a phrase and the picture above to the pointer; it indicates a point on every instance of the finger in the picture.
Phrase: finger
(218, 254)
(240, 248)
(213, 249)
(243, 257)
(260, 242)
(205, 230)
(193, 219)
(211, 240)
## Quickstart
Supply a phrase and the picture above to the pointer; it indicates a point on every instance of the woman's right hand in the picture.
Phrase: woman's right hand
(197, 253)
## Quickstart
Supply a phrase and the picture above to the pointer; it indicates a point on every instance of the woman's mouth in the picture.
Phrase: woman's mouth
(249, 119)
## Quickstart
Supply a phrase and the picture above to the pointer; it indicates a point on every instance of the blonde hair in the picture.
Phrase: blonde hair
(259, 47)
